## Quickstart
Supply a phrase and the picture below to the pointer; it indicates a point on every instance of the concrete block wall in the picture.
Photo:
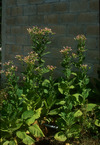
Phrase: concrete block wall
(67, 18)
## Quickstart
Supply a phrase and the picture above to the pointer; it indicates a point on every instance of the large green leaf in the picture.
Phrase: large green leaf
(60, 136)
(12, 143)
(21, 134)
(46, 83)
(90, 107)
(77, 97)
(6, 143)
(60, 102)
(53, 112)
(78, 113)
(28, 140)
(27, 114)
(30, 120)
(36, 115)
(19, 92)
(60, 90)
(36, 131)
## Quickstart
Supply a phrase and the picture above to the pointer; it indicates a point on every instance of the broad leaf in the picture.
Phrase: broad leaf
(27, 114)
(60, 102)
(21, 134)
(19, 92)
(6, 143)
(34, 117)
(36, 131)
(60, 136)
(71, 87)
(28, 140)
(30, 120)
(12, 143)
(53, 112)
(76, 96)
(78, 113)
(90, 107)
(46, 83)
(60, 90)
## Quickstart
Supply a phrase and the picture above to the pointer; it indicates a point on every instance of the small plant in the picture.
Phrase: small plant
(29, 104)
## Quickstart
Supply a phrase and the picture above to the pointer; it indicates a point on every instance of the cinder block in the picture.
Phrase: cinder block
(58, 29)
(22, 20)
(92, 30)
(8, 11)
(22, 2)
(87, 18)
(67, 18)
(78, 5)
(60, 7)
(91, 43)
(66, 41)
(11, 21)
(76, 29)
(44, 8)
(30, 10)
(35, 1)
(11, 2)
(22, 40)
(10, 39)
(94, 5)
(51, 19)
(15, 11)
(36, 20)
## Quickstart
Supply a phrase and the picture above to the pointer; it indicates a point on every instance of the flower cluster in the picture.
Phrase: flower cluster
(10, 69)
(80, 37)
(74, 55)
(29, 59)
(51, 68)
(66, 50)
(84, 66)
(36, 30)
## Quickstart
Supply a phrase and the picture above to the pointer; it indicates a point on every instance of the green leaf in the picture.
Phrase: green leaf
(21, 134)
(78, 113)
(75, 74)
(28, 140)
(53, 112)
(60, 90)
(90, 107)
(60, 136)
(71, 87)
(27, 114)
(19, 92)
(77, 97)
(36, 115)
(36, 131)
(97, 122)
(12, 143)
(30, 120)
(6, 143)
(85, 93)
(61, 102)
(45, 83)
(45, 91)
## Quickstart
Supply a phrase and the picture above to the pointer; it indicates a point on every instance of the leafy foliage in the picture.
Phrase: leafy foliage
(35, 101)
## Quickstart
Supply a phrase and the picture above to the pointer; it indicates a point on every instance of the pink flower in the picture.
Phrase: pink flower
(66, 50)
(80, 37)
(50, 67)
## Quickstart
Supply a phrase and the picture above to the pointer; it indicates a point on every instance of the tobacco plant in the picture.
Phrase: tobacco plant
(32, 100)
